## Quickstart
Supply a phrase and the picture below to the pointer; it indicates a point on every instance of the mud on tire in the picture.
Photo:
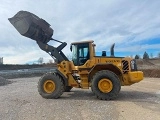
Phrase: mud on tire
(113, 78)
(58, 88)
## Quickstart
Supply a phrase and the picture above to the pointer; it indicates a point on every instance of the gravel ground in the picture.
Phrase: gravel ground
(4, 81)
(20, 100)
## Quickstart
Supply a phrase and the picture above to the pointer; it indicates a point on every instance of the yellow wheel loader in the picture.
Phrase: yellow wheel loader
(103, 74)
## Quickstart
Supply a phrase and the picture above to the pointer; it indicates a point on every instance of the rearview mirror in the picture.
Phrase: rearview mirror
(71, 48)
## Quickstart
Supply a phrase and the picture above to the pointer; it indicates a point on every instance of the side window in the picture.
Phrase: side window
(86, 53)
(74, 54)
(83, 53)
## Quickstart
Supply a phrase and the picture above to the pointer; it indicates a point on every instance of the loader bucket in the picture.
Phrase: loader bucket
(31, 26)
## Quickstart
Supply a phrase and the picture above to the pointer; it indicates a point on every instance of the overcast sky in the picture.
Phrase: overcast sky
(134, 25)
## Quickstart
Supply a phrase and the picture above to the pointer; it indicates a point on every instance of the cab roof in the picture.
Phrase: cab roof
(88, 41)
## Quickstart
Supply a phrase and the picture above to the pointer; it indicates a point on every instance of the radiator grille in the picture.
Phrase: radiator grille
(125, 65)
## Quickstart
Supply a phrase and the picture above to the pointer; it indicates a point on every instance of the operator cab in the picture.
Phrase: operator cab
(80, 52)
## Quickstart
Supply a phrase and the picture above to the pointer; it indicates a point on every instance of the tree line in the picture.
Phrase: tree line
(146, 56)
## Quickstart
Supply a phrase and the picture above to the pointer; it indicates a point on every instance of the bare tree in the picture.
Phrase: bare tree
(40, 60)
(50, 61)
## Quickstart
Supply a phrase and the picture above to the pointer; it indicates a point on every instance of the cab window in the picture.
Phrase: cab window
(80, 53)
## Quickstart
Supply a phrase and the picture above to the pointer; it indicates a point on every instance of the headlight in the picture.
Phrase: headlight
(133, 65)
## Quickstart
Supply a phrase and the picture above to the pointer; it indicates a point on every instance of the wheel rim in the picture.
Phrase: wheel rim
(49, 86)
(105, 85)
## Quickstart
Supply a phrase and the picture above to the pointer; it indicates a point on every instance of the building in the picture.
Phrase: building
(1, 60)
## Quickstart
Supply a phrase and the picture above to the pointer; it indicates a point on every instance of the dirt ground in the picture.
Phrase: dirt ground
(153, 73)
(20, 100)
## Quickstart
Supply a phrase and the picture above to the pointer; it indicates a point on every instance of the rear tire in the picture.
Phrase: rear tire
(50, 86)
(105, 85)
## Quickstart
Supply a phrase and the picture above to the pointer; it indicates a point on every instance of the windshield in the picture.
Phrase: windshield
(74, 54)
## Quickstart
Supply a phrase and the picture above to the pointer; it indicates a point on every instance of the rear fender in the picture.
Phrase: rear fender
(100, 67)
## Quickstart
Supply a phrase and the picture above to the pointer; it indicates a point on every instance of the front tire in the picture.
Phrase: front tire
(50, 86)
(105, 85)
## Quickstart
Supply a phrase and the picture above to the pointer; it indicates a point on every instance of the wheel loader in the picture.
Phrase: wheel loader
(103, 74)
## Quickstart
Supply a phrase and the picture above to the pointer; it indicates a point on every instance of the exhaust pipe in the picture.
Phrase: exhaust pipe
(112, 50)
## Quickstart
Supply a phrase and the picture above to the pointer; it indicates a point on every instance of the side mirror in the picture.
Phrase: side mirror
(71, 48)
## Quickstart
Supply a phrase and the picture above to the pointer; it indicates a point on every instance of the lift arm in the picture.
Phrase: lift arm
(31, 26)
(53, 51)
